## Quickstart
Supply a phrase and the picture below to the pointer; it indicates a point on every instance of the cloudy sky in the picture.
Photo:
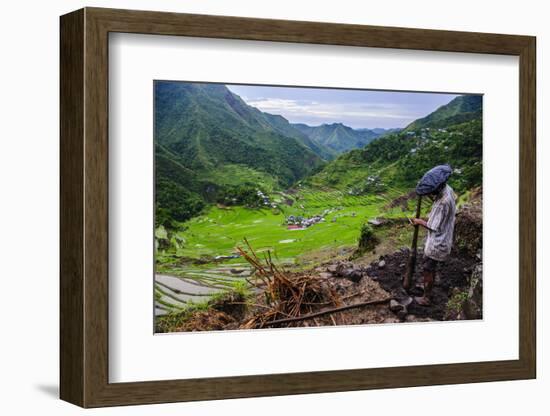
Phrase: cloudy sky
(355, 108)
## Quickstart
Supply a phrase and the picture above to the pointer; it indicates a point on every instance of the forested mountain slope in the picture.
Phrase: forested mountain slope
(209, 142)
(452, 134)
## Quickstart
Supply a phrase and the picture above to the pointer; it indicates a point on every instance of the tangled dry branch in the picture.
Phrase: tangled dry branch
(287, 295)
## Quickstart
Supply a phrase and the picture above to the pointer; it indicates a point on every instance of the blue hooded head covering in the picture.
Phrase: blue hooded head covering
(433, 180)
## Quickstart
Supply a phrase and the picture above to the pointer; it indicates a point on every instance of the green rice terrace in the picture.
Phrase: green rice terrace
(201, 258)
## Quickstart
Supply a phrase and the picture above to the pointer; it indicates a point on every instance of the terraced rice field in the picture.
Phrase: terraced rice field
(221, 229)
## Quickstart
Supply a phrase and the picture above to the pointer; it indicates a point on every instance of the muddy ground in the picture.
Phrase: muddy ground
(453, 273)
(381, 279)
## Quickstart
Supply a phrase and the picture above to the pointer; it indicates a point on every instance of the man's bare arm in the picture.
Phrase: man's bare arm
(420, 221)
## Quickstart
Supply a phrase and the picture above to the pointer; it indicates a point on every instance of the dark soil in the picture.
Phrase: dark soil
(232, 304)
(211, 320)
(452, 273)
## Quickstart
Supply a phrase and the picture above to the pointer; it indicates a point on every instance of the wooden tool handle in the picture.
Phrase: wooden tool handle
(407, 279)
(415, 234)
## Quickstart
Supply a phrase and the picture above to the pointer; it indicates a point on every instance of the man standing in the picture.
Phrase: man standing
(440, 225)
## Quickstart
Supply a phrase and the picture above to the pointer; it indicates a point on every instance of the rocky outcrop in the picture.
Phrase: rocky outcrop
(473, 305)
(468, 232)
(467, 303)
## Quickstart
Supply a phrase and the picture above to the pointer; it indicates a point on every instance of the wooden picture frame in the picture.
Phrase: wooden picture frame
(84, 207)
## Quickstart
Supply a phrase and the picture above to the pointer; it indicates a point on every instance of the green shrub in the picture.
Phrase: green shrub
(367, 239)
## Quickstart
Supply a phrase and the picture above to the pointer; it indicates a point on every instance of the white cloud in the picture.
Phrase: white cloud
(352, 113)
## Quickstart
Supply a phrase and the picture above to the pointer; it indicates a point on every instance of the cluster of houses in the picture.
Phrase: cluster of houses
(265, 199)
(423, 132)
(424, 136)
(299, 222)
(373, 183)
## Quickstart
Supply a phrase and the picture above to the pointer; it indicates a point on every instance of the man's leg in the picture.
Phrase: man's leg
(428, 273)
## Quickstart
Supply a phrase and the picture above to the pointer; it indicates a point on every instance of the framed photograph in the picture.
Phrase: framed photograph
(255, 207)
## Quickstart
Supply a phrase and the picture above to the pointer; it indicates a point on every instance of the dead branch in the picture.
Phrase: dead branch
(286, 294)
(325, 312)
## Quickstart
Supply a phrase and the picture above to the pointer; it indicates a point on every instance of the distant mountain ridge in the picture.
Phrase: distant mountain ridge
(382, 132)
(283, 126)
(340, 138)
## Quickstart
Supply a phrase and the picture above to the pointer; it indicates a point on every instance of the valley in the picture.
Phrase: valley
(230, 177)
(219, 230)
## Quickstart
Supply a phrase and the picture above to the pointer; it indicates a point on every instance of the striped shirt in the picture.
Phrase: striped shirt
(441, 223)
